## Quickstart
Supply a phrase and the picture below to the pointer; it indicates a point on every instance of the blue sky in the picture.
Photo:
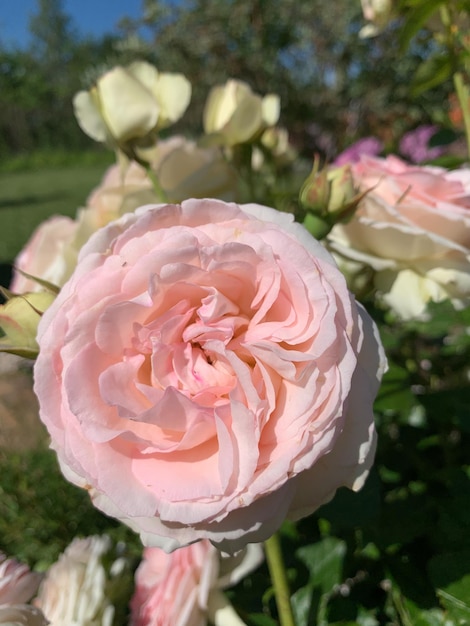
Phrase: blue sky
(90, 17)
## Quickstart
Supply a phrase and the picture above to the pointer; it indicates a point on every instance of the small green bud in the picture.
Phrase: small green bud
(328, 196)
(19, 319)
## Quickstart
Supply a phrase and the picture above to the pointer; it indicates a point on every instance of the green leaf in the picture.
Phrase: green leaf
(459, 610)
(416, 19)
(305, 603)
(420, 617)
(443, 137)
(324, 560)
(431, 73)
(450, 573)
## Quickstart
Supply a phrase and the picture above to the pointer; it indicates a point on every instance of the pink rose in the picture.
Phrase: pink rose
(48, 255)
(205, 373)
(18, 583)
(413, 229)
(183, 588)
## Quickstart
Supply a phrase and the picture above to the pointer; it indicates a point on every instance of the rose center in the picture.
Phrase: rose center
(186, 347)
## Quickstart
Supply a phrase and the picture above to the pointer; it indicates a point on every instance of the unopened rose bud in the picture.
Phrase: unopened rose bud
(19, 319)
(328, 196)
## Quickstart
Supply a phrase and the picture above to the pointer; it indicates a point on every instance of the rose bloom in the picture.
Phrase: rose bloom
(186, 170)
(205, 373)
(49, 255)
(128, 104)
(183, 588)
(18, 583)
(233, 113)
(413, 229)
(74, 589)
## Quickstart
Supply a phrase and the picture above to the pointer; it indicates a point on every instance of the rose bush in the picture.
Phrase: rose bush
(184, 588)
(413, 229)
(205, 372)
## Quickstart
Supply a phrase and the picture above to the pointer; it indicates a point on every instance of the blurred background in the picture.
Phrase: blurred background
(335, 86)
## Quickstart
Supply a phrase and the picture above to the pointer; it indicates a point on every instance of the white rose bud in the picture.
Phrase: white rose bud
(234, 114)
(129, 104)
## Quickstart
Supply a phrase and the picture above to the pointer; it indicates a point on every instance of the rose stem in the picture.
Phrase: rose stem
(151, 174)
(277, 571)
(156, 184)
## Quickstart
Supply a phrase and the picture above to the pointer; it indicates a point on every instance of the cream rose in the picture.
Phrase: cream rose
(186, 170)
(184, 588)
(233, 113)
(206, 373)
(413, 229)
(74, 590)
(131, 103)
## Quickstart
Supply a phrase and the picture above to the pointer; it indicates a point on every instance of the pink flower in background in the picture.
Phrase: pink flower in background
(184, 588)
(367, 146)
(206, 373)
(18, 583)
(49, 255)
(414, 144)
(413, 229)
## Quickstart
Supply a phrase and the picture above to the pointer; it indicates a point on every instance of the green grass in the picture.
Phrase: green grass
(27, 198)
(47, 158)
(40, 513)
